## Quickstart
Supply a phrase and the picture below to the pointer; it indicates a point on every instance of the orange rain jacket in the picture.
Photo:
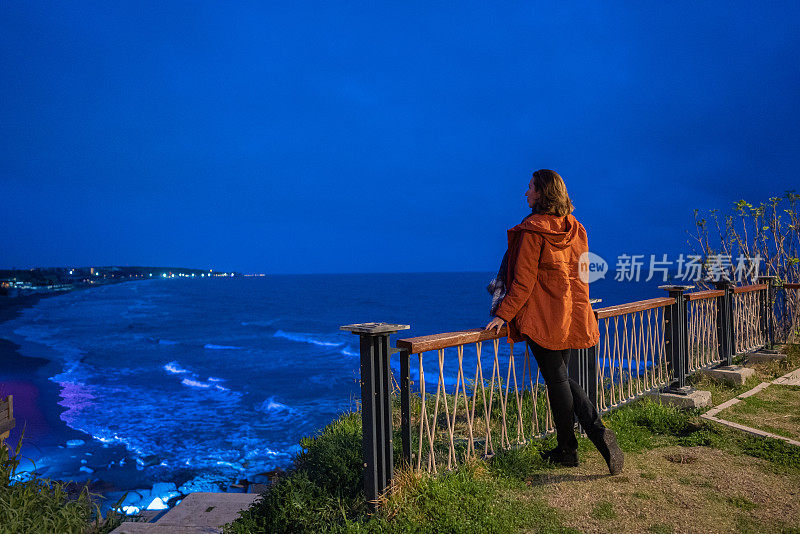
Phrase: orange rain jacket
(546, 299)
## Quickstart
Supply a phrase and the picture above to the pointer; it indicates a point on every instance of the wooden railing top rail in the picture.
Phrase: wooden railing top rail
(747, 289)
(708, 294)
(415, 345)
(629, 307)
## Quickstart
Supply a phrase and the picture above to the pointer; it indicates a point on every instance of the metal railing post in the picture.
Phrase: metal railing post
(786, 325)
(376, 405)
(676, 339)
(591, 374)
(405, 405)
(583, 368)
(725, 321)
(768, 315)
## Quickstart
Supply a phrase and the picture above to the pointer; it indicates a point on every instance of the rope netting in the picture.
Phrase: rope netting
(702, 333)
(631, 357)
(470, 414)
(748, 332)
(469, 402)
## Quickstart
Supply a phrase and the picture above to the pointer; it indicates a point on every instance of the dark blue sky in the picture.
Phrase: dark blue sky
(347, 137)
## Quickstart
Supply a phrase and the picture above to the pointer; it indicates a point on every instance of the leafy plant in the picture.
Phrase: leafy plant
(30, 504)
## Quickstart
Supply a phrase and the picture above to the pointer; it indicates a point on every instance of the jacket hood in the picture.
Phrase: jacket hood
(560, 232)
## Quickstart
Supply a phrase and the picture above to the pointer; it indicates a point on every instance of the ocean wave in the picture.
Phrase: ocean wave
(270, 405)
(167, 342)
(76, 396)
(175, 368)
(347, 351)
(50, 337)
(194, 383)
(307, 338)
(259, 323)
(220, 347)
(277, 411)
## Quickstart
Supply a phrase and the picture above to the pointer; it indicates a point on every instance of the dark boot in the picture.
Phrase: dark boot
(606, 443)
(561, 457)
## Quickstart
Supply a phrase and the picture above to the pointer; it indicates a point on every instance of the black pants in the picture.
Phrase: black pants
(567, 397)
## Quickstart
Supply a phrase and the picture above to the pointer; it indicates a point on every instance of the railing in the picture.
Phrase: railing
(477, 401)
(749, 306)
(6, 417)
(631, 355)
(703, 309)
(787, 327)
(469, 394)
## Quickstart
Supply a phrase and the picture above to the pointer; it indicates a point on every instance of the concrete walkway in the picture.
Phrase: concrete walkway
(198, 513)
(789, 379)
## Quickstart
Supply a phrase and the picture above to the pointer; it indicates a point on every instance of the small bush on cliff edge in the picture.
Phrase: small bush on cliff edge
(323, 489)
(29, 504)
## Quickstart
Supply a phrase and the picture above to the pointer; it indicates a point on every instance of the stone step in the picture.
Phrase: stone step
(198, 513)
(155, 528)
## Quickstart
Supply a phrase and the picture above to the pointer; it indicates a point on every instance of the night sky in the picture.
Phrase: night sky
(350, 137)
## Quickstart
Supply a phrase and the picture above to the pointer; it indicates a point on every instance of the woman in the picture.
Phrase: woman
(547, 305)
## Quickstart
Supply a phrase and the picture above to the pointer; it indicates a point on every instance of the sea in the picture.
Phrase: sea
(153, 389)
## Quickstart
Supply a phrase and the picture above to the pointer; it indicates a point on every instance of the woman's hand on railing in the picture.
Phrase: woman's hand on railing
(495, 324)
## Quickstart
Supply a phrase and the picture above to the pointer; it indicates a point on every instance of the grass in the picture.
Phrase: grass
(324, 493)
(721, 391)
(742, 503)
(775, 409)
(604, 510)
(29, 504)
(764, 372)
(673, 457)
(517, 491)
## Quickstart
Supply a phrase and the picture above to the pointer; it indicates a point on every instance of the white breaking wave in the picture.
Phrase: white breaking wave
(307, 338)
(194, 383)
(175, 368)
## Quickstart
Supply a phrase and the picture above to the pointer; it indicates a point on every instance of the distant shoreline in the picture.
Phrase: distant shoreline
(12, 307)
(10, 356)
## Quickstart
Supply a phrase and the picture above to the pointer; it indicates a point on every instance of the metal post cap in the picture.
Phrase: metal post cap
(675, 288)
(374, 328)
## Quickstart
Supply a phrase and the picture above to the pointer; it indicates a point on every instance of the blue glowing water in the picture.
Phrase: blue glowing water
(194, 384)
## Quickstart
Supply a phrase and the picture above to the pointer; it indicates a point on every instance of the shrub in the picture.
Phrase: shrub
(29, 504)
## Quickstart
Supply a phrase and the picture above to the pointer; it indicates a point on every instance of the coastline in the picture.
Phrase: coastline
(12, 307)
(47, 446)
(21, 376)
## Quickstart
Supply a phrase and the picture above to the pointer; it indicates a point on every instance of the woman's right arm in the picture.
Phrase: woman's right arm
(526, 269)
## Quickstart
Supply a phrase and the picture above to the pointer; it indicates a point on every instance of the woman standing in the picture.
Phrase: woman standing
(547, 305)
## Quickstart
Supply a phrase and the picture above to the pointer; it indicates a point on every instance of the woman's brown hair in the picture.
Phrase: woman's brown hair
(553, 198)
